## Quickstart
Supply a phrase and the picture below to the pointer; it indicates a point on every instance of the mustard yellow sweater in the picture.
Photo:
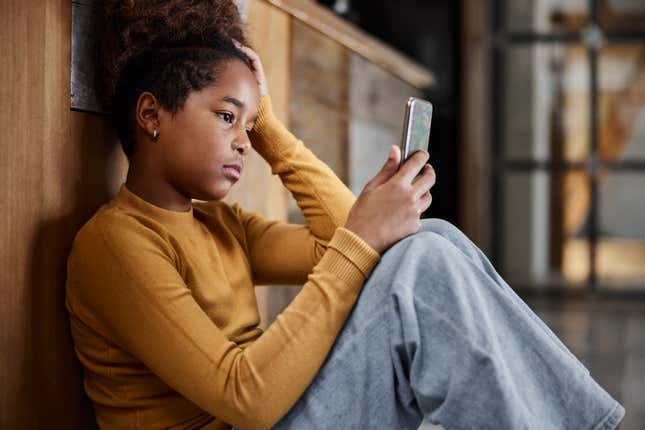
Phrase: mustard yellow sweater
(162, 303)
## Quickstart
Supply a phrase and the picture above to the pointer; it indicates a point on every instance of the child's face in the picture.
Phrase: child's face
(210, 134)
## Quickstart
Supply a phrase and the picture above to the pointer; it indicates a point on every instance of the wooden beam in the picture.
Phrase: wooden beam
(357, 41)
(474, 155)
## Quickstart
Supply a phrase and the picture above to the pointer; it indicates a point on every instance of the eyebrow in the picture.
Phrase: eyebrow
(239, 104)
(234, 101)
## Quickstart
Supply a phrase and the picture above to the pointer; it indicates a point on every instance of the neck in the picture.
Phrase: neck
(153, 189)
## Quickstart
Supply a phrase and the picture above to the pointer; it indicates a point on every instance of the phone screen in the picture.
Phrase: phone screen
(416, 130)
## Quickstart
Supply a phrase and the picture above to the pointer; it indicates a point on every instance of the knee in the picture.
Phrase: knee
(438, 225)
(426, 248)
(424, 259)
(408, 266)
(443, 228)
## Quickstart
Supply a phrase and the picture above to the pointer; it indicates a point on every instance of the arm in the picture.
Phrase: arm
(390, 188)
(323, 198)
(123, 278)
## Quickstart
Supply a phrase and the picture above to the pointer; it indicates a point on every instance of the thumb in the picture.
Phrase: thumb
(389, 168)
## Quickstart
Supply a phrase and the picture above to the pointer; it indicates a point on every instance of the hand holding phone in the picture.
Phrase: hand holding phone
(416, 127)
(390, 206)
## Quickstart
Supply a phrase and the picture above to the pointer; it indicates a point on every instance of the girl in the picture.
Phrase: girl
(161, 290)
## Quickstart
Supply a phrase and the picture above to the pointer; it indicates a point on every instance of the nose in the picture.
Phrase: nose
(242, 144)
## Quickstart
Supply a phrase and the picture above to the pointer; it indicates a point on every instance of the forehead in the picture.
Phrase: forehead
(236, 80)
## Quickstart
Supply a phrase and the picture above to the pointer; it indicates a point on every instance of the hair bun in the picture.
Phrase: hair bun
(135, 26)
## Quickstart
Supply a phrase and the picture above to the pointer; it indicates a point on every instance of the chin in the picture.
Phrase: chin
(209, 196)
(211, 187)
(217, 192)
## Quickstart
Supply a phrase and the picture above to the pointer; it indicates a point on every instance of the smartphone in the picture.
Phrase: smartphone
(416, 127)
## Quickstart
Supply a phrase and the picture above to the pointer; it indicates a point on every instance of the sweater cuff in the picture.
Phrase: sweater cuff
(349, 257)
(269, 136)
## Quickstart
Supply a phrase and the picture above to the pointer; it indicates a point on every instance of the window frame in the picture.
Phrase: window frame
(592, 37)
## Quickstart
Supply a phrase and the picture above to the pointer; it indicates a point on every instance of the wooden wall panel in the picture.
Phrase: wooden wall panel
(57, 167)
(319, 99)
(377, 108)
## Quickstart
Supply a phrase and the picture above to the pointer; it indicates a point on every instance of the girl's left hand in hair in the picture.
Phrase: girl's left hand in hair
(258, 71)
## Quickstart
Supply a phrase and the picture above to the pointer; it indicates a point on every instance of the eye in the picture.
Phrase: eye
(227, 117)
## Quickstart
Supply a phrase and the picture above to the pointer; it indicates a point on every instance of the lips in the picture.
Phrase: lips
(233, 170)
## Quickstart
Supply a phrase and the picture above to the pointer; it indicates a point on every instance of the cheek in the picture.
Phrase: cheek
(209, 156)
(203, 142)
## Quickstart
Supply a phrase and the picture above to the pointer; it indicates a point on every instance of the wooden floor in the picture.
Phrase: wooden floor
(608, 336)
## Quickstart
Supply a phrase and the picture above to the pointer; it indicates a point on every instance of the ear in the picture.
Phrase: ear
(147, 113)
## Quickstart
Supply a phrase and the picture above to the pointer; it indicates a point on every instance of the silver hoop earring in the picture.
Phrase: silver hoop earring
(155, 134)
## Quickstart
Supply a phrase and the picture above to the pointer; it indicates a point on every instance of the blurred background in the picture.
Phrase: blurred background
(538, 140)
(562, 87)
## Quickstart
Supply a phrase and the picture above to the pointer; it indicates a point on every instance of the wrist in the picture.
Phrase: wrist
(366, 236)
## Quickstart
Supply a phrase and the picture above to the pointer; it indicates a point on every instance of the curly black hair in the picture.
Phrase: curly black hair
(168, 48)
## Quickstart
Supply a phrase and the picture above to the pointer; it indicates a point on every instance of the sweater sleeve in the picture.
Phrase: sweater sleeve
(123, 281)
(322, 197)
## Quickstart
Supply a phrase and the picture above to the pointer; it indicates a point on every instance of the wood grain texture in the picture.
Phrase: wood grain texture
(475, 160)
(57, 168)
(320, 99)
(358, 41)
(377, 109)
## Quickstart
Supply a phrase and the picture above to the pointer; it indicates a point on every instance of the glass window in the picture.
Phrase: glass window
(620, 255)
(544, 16)
(621, 87)
(544, 228)
(547, 102)
(556, 231)
(621, 15)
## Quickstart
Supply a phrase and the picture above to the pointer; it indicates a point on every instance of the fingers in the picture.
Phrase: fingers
(389, 168)
(251, 54)
(254, 58)
(412, 166)
(426, 181)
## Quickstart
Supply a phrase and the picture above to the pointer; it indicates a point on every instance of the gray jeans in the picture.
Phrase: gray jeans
(437, 333)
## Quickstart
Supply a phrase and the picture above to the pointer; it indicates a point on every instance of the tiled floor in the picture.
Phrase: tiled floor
(608, 336)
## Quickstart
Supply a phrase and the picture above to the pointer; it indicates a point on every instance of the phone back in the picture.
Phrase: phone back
(416, 128)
